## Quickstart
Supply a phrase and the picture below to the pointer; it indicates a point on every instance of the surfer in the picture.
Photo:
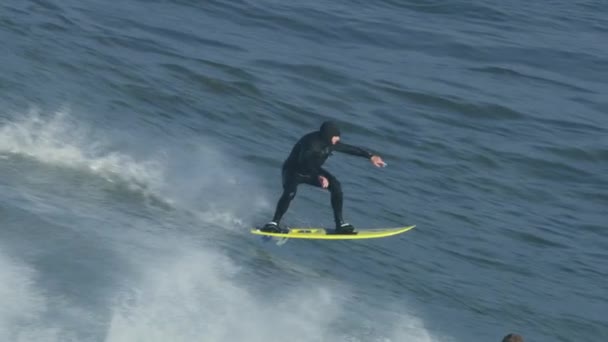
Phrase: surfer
(513, 338)
(304, 166)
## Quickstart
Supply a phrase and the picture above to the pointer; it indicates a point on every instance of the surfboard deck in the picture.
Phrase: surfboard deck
(330, 234)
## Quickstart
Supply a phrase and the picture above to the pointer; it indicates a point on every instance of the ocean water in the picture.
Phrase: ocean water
(140, 141)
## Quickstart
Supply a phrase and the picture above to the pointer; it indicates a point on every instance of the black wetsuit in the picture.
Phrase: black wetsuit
(304, 166)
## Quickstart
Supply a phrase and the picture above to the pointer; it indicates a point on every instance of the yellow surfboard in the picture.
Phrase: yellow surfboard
(330, 234)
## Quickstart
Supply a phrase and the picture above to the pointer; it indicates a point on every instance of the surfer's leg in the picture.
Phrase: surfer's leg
(290, 187)
(283, 204)
(335, 189)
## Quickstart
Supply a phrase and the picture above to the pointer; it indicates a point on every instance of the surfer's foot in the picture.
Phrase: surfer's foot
(271, 227)
(345, 228)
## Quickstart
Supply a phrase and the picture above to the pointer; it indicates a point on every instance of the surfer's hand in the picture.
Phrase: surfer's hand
(377, 161)
(324, 182)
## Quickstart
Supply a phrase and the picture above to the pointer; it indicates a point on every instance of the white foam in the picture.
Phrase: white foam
(200, 178)
(22, 306)
(197, 295)
(214, 186)
(187, 293)
(195, 298)
(407, 327)
(60, 140)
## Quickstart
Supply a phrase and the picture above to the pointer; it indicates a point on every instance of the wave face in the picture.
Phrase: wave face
(140, 141)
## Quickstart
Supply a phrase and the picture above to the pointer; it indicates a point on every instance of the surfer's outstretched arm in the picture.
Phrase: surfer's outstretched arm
(359, 152)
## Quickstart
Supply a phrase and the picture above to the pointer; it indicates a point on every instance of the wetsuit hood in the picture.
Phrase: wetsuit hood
(328, 130)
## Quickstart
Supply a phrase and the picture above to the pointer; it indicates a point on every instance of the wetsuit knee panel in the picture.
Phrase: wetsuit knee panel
(335, 187)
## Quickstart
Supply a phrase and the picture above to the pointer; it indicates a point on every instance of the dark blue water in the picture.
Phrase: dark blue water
(140, 141)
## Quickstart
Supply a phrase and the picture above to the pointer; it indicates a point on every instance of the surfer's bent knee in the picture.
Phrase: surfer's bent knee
(334, 186)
